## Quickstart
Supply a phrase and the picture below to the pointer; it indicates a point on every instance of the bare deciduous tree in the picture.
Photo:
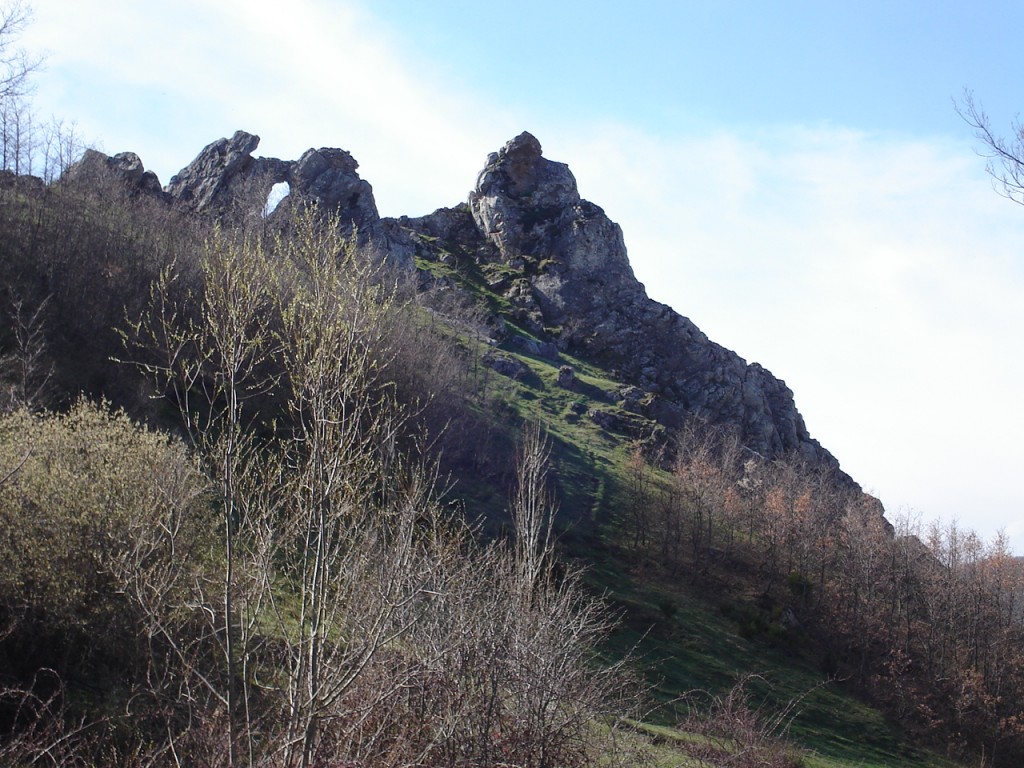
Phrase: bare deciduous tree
(17, 124)
(16, 65)
(214, 344)
(26, 370)
(1005, 156)
(533, 510)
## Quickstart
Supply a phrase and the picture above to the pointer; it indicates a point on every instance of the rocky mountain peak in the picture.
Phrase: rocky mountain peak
(522, 156)
(577, 273)
(522, 171)
(529, 207)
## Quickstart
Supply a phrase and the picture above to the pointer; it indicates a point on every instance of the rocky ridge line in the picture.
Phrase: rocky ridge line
(566, 269)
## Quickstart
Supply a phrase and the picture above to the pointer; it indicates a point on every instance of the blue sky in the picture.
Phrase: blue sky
(790, 175)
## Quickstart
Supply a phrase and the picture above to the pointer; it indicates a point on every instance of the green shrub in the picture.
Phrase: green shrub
(81, 495)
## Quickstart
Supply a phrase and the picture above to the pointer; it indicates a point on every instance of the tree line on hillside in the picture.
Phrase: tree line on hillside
(929, 621)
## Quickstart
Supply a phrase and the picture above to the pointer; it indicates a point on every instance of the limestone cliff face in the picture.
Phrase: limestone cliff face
(563, 265)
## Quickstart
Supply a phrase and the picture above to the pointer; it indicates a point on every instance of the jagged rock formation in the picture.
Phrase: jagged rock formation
(527, 205)
(208, 179)
(226, 170)
(560, 262)
(571, 281)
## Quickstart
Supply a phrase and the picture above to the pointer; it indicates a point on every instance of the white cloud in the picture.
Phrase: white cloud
(179, 75)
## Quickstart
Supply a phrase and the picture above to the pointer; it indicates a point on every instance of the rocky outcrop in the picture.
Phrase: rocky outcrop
(209, 180)
(126, 168)
(559, 261)
(565, 271)
(506, 365)
(328, 178)
(226, 174)
(528, 206)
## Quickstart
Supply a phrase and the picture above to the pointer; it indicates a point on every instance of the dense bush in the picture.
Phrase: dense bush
(80, 492)
(79, 258)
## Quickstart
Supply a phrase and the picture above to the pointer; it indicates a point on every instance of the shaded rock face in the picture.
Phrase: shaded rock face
(209, 179)
(328, 177)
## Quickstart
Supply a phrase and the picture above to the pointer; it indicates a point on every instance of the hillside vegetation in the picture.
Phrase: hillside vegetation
(275, 573)
(313, 487)
(280, 581)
